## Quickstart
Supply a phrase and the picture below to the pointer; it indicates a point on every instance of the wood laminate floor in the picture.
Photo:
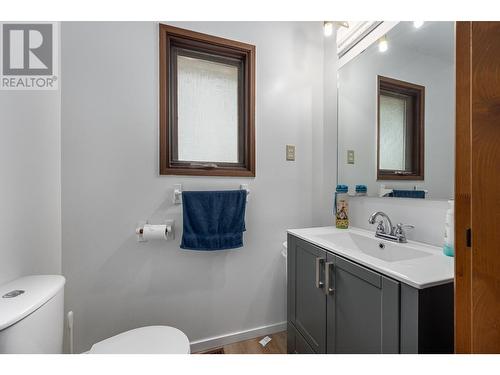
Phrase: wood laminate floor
(276, 346)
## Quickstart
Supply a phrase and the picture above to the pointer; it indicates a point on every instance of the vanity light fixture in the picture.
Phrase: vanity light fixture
(328, 28)
(418, 24)
(383, 44)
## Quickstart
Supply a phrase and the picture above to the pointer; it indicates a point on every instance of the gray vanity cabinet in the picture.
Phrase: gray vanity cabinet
(336, 306)
(305, 292)
(362, 310)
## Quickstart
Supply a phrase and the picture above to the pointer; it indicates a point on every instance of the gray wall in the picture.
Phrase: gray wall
(424, 57)
(110, 181)
(30, 191)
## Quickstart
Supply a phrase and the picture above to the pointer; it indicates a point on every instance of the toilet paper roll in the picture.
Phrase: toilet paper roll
(154, 232)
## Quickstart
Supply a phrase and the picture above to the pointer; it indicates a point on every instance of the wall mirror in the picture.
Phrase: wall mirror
(396, 113)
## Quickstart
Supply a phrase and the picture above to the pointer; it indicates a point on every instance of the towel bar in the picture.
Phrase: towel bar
(177, 194)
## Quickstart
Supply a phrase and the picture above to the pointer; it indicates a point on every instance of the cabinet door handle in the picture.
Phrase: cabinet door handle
(319, 283)
(328, 289)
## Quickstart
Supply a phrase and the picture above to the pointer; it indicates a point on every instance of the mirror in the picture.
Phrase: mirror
(396, 114)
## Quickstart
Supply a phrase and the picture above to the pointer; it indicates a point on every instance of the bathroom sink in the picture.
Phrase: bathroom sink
(414, 263)
(384, 250)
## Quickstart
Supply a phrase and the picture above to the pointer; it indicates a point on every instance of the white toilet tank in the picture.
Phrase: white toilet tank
(32, 315)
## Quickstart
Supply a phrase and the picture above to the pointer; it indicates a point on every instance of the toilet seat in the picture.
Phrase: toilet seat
(145, 340)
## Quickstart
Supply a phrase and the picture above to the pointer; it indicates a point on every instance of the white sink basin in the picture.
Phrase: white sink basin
(414, 263)
(374, 247)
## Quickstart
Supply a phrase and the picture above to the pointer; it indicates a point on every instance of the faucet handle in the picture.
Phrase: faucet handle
(400, 233)
(404, 226)
(381, 227)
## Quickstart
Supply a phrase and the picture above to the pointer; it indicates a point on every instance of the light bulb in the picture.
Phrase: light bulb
(418, 24)
(328, 28)
(383, 44)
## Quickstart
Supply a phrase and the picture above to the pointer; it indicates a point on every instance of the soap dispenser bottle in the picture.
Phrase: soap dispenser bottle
(341, 207)
(449, 230)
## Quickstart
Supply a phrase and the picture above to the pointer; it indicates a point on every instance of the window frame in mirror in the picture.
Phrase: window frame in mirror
(176, 42)
(394, 87)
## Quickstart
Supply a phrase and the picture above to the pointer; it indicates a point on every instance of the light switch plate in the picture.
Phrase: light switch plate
(350, 156)
(290, 152)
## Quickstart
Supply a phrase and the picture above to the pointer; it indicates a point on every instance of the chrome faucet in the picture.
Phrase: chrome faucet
(385, 229)
(382, 227)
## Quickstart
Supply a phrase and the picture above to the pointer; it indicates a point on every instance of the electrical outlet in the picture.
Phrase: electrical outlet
(290, 152)
(350, 156)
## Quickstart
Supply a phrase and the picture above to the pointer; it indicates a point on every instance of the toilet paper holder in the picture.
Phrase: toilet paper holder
(169, 227)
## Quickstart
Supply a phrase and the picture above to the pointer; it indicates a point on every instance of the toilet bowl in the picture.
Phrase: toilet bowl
(145, 340)
(32, 319)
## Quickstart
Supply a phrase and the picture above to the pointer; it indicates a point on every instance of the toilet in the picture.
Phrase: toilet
(32, 319)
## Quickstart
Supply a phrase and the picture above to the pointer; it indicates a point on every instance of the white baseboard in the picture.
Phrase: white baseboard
(218, 341)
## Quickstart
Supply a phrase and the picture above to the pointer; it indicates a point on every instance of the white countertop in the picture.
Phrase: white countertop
(434, 268)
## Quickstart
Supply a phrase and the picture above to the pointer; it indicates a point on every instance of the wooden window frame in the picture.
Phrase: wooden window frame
(175, 41)
(416, 116)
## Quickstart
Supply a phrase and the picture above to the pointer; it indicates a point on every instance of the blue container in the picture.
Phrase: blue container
(361, 189)
(448, 250)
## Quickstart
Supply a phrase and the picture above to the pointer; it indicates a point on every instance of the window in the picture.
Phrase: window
(400, 152)
(207, 105)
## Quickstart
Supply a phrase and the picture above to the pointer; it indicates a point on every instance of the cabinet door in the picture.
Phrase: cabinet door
(306, 298)
(362, 308)
(296, 343)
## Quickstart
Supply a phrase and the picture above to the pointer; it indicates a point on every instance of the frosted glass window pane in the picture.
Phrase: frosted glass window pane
(392, 133)
(207, 111)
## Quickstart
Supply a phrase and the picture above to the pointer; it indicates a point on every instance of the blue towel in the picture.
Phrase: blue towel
(213, 220)
(408, 194)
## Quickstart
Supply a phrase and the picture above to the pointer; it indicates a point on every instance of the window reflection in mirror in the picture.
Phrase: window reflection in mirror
(400, 130)
(394, 153)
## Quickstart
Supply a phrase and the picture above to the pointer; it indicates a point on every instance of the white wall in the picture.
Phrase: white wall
(424, 57)
(30, 191)
(110, 181)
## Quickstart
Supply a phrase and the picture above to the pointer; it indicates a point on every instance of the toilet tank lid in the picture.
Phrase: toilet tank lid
(27, 294)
